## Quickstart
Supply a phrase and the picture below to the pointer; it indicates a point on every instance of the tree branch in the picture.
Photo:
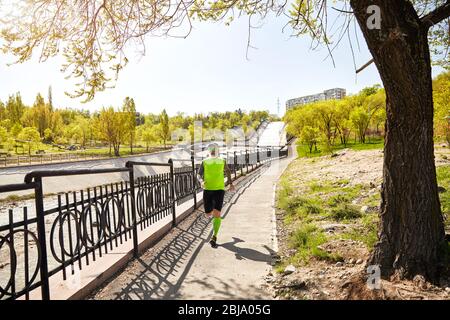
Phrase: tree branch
(437, 15)
(434, 17)
(365, 66)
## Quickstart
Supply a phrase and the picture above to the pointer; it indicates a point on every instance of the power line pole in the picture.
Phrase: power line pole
(278, 105)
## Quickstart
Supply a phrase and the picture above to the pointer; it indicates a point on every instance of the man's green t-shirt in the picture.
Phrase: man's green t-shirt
(213, 173)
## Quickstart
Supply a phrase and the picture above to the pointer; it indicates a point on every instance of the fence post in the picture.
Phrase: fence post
(133, 210)
(43, 267)
(194, 182)
(252, 157)
(258, 160)
(247, 160)
(235, 165)
(242, 165)
(172, 178)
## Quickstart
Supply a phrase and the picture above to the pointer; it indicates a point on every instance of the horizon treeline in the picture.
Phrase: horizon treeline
(44, 124)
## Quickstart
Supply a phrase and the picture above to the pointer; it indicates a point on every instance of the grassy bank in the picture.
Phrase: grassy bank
(322, 149)
(320, 205)
(310, 207)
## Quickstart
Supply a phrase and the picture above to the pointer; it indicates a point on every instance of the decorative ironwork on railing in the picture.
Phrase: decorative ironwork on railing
(69, 231)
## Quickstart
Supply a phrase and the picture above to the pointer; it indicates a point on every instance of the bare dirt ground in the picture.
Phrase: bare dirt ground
(345, 279)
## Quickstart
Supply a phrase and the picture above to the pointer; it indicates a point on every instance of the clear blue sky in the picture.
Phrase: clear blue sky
(208, 71)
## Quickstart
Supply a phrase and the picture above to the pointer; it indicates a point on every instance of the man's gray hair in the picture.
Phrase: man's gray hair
(213, 148)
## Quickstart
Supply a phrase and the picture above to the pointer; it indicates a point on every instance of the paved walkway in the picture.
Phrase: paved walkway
(184, 266)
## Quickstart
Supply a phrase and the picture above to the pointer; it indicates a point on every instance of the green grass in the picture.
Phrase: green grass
(345, 212)
(335, 188)
(325, 201)
(284, 191)
(373, 200)
(338, 199)
(303, 150)
(306, 240)
(124, 151)
(367, 232)
(289, 204)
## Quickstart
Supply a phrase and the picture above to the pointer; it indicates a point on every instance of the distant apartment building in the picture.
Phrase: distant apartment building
(336, 93)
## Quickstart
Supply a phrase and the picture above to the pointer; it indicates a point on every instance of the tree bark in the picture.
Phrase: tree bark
(411, 234)
(117, 149)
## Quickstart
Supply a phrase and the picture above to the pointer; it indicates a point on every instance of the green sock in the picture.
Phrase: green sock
(216, 225)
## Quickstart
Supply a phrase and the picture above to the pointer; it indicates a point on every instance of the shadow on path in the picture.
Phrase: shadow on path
(247, 253)
(160, 271)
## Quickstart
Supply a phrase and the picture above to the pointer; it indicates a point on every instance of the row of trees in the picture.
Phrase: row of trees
(113, 127)
(360, 115)
(330, 121)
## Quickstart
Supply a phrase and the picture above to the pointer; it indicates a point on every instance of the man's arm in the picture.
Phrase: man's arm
(200, 174)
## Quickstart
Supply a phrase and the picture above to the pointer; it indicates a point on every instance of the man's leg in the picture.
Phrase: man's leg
(217, 221)
(208, 203)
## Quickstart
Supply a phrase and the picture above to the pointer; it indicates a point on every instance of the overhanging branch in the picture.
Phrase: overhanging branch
(439, 14)
(365, 66)
(434, 17)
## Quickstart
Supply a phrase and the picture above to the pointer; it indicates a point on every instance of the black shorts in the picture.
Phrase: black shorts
(213, 199)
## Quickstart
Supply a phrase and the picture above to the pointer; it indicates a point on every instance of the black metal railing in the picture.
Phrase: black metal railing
(64, 233)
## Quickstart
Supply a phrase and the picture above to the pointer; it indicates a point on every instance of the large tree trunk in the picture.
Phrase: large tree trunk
(411, 234)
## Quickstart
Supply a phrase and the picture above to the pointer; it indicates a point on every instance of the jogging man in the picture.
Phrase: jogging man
(212, 176)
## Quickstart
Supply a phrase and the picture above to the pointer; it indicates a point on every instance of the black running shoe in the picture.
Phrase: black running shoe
(213, 242)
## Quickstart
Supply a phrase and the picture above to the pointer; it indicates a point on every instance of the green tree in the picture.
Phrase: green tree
(14, 108)
(368, 91)
(111, 128)
(441, 96)
(360, 119)
(180, 121)
(129, 109)
(50, 98)
(342, 120)
(3, 136)
(365, 109)
(42, 114)
(48, 135)
(326, 114)
(151, 119)
(148, 135)
(310, 136)
(3, 115)
(16, 129)
(164, 129)
(56, 122)
(30, 137)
